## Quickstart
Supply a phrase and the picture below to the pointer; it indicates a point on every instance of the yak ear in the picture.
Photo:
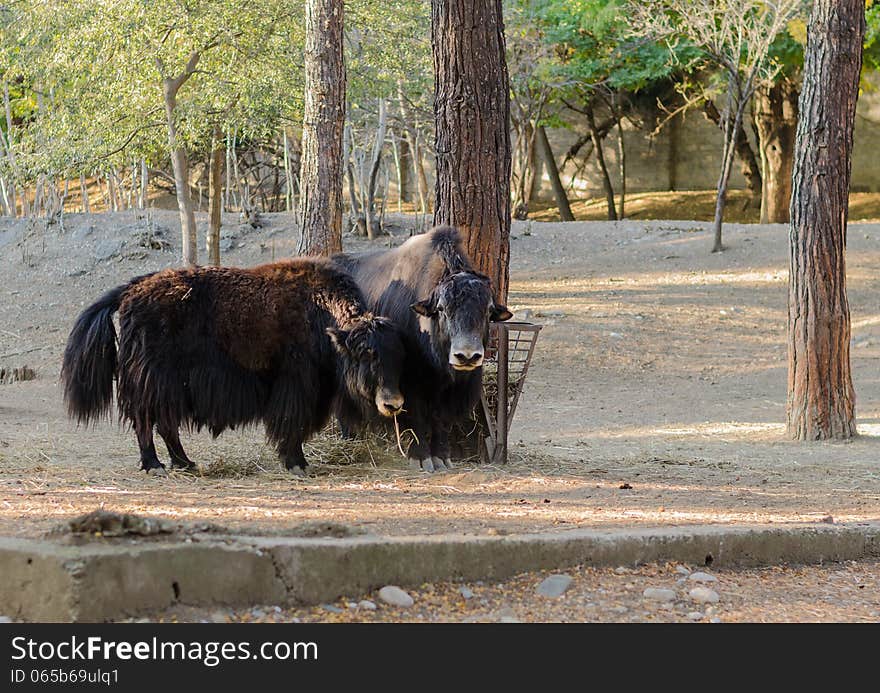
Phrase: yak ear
(426, 307)
(337, 338)
(500, 313)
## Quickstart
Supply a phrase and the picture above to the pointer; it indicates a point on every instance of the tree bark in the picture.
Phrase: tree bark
(215, 196)
(170, 87)
(775, 118)
(10, 153)
(419, 167)
(404, 170)
(472, 129)
(603, 169)
(553, 173)
(321, 168)
(748, 163)
(621, 157)
(143, 196)
(737, 100)
(672, 157)
(821, 400)
(375, 163)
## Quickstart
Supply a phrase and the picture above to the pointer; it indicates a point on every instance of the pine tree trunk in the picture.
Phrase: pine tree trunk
(821, 400)
(546, 151)
(321, 169)
(215, 197)
(472, 128)
(775, 118)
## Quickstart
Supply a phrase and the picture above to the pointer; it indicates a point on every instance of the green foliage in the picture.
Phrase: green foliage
(595, 46)
(99, 65)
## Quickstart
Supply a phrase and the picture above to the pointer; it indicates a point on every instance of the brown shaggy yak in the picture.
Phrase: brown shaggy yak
(224, 347)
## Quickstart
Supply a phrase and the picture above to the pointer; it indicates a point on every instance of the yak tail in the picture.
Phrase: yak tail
(89, 365)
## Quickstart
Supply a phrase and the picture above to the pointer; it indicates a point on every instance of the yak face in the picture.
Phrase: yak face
(371, 355)
(460, 308)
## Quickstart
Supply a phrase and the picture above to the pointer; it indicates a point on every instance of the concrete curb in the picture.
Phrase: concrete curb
(97, 581)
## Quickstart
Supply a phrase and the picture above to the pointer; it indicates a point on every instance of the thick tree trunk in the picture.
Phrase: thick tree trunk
(603, 168)
(821, 400)
(215, 197)
(321, 168)
(775, 117)
(546, 151)
(749, 166)
(472, 125)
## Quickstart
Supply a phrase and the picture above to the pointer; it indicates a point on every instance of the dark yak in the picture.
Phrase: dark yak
(429, 288)
(223, 347)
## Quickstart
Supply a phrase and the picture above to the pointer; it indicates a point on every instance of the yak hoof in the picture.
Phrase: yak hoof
(427, 465)
(159, 471)
(441, 465)
(296, 470)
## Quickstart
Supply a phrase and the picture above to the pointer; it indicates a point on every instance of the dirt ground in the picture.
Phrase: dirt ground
(660, 368)
(845, 592)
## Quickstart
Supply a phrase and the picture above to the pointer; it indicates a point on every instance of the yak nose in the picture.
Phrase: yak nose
(389, 405)
(475, 358)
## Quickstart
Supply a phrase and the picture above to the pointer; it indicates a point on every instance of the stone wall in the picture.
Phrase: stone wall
(686, 155)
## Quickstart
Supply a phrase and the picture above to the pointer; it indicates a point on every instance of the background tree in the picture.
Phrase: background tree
(130, 82)
(598, 67)
(323, 125)
(735, 36)
(472, 120)
(388, 61)
(821, 400)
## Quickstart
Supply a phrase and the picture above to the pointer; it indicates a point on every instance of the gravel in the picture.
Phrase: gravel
(704, 595)
(833, 592)
(659, 594)
(394, 596)
(554, 586)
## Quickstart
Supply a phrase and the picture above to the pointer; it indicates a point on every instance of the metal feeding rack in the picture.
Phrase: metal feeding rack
(509, 353)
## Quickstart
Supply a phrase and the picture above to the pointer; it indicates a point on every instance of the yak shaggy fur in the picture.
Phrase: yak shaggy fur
(216, 348)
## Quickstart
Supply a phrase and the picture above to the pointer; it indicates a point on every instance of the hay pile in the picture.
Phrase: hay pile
(327, 452)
